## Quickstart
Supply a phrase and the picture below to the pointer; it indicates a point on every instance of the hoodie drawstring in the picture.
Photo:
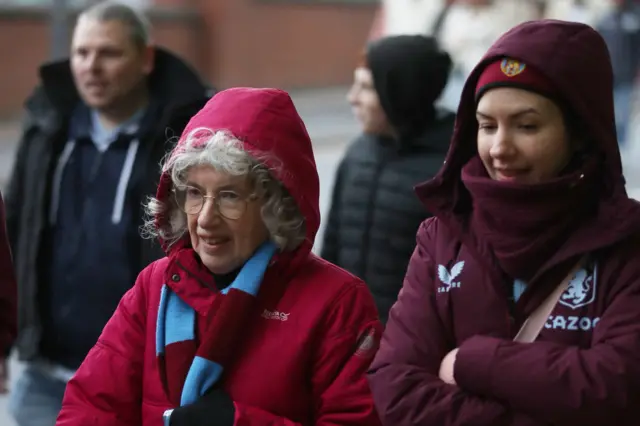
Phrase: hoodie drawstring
(125, 176)
(121, 191)
(57, 180)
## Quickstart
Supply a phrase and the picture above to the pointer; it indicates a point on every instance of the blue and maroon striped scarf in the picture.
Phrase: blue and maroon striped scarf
(176, 331)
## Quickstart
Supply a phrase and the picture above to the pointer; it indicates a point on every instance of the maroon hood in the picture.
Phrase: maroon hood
(575, 59)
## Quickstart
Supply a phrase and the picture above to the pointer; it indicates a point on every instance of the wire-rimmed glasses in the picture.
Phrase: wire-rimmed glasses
(229, 204)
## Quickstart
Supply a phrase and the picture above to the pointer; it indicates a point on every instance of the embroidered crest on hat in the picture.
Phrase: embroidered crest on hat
(511, 67)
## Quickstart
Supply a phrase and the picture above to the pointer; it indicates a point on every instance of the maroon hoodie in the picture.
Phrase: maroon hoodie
(584, 369)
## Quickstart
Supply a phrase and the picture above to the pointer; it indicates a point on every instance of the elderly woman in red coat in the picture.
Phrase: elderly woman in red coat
(240, 324)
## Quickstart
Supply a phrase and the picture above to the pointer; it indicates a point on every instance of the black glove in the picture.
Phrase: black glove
(214, 408)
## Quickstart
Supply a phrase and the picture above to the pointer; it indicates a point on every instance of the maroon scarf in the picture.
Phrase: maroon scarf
(525, 224)
(192, 362)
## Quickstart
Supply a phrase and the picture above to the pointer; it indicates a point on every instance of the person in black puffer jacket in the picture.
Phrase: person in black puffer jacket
(374, 213)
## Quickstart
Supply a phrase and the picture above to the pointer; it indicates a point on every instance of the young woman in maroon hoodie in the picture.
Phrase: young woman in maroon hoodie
(533, 231)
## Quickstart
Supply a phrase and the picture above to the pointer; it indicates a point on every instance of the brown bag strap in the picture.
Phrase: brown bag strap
(533, 325)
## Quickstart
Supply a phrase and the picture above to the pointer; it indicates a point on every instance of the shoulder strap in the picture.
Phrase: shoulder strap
(533, 325)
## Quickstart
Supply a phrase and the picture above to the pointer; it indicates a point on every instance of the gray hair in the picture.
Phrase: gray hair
(222, 151)
(135, 20)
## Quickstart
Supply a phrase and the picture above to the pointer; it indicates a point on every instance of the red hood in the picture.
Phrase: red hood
(266, 121)
(575, 59)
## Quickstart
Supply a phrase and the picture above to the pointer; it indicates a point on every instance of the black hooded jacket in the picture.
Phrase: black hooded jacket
(374, 213)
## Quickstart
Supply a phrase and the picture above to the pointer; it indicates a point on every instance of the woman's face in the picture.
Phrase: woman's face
(521, 136)
(223, 244)
(365, 104)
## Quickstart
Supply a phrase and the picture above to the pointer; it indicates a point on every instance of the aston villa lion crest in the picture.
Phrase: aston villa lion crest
(511, 67)
(581, 290)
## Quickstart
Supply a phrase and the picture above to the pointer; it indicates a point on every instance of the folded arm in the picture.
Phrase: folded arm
(404, 375)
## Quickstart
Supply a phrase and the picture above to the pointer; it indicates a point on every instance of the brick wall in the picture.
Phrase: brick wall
(231, 42)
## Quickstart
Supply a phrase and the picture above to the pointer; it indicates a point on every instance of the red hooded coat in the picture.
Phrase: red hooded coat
(300, 364)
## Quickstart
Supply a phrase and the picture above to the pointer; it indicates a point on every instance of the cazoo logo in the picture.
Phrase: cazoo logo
(571, 323)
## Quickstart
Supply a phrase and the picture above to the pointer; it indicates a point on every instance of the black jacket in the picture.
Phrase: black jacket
(173, 85)
(375, 214)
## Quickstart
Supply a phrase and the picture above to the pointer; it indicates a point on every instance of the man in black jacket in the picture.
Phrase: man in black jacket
(96, 129)
(374, 213)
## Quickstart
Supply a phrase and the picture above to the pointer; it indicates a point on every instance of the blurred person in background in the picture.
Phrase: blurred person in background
(406, 17)
(588, 12)
(96, 128)
(464, 28)
(8, 301)
(533, 231)
(469, 27)
(241, 324)
(374, 213)
(621, 31)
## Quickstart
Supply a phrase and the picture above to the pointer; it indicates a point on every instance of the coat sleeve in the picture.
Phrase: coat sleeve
(595, 386)
(344, 352)
(107, 388)
(14, 193)
(404, 375)
(8, 290)
(331, 241)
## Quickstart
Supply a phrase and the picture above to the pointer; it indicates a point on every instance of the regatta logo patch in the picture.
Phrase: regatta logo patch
(581, 290)
(275, 315)
(511, 67)
(448, 278)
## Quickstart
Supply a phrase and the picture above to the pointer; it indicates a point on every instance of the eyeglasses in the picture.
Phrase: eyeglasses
(229, 204)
